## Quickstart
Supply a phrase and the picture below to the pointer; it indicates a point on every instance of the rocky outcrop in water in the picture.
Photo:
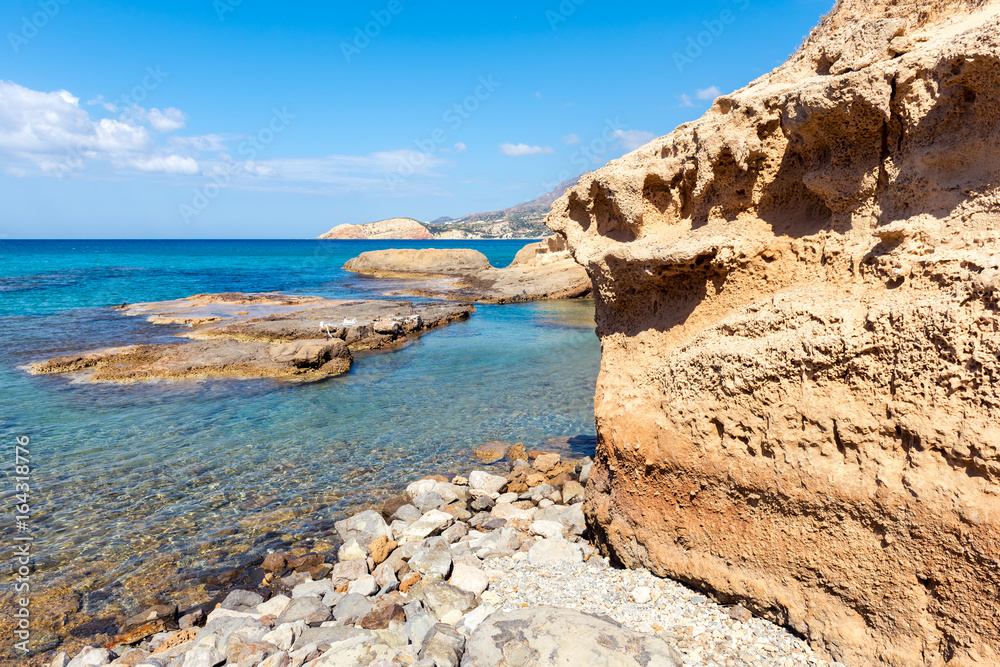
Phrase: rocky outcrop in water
(393, 228)
(543, 270)
(797, 299)
(235, 335)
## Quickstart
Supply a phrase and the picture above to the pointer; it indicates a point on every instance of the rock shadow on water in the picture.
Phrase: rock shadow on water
(572, 446)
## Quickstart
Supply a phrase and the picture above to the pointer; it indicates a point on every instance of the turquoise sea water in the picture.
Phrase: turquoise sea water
(143, 489)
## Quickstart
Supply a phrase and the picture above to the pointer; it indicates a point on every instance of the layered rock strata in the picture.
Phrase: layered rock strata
(235, 335)
(543, 270)
(797, 300)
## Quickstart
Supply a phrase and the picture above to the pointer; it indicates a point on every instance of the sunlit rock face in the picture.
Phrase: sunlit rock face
(799, 402)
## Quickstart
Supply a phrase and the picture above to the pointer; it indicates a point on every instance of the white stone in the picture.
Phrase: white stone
(449, 492)
(352, 551)
(641, 594)
(506, 497)
(201, 657)
(284, 636)
(314, 589)
(548, 529)
(469, 579)
(366, 586)
(276, 660)
(474, 618)
(555, 551)
(220, 613)
(422, 486)
(452, 617)
(91, 657)
(274, 606)
(509, 512)
(484, 481)
(428, 524)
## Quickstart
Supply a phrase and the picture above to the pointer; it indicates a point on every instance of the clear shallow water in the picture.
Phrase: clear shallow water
(143, 489)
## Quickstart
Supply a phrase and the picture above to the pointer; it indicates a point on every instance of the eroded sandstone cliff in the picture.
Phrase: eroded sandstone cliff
(797, 298)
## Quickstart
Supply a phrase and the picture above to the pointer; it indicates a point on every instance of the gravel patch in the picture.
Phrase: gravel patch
(703, 631)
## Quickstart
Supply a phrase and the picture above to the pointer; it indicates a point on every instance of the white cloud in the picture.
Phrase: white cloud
(571, 139)
(461, 147)
(353, 170)
(205, 143)
(709, 93)
(167, 164)
(49, 133)
(168, 120)
(520, 150)
(686, 100)
(632, 139)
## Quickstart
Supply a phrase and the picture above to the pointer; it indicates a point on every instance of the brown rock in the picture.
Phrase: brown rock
(559, 478)
(544, 270)
(380, 618)
(546, 462)
(136, 635)
(571, 490)
(438, 478)
(458, 511)
(739, 613)
(535, 478)
(320, 571)
(278, 339)
(305, 563)
(165, 613)
(409, 582)
(799, 295)
(517, 452)
(381, 547)
(176, 639)
(131, 658)
(275, 563)
(491, 452)
(392, 504)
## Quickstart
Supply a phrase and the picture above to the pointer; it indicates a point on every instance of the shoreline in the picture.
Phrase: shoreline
(430, 570)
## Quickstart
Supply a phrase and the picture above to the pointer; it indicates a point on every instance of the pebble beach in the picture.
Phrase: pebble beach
(439, 576)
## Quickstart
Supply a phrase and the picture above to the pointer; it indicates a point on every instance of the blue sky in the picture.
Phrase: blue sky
(256, 119)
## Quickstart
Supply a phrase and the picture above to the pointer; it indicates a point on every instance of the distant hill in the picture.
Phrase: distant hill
(523, 221)
(393, 228)
(520, 221)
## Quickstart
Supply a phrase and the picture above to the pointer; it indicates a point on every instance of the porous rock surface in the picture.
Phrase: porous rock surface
(797, 300)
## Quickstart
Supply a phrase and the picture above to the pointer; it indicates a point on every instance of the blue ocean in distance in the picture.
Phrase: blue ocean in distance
(143, 491)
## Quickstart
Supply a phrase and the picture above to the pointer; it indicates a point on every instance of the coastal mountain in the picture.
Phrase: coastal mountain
(523, 221)
(798, 300)
(526, 220)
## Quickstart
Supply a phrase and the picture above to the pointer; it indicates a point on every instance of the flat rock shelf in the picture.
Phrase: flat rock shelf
(278, 336)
